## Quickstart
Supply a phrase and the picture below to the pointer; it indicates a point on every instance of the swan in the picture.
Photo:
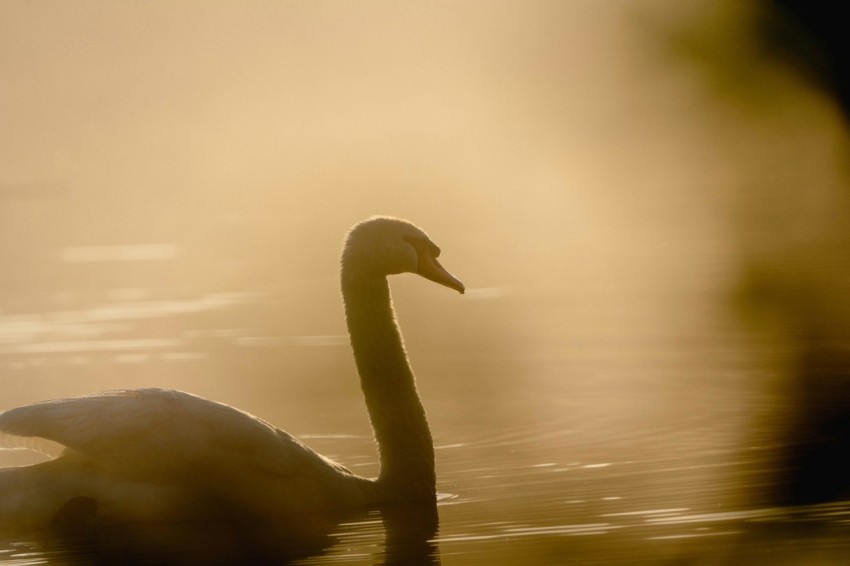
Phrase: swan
(157, 454)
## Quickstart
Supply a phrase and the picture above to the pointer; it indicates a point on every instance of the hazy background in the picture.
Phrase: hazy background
(645, 204)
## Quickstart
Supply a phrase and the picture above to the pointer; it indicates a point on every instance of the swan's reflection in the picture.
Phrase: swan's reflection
(409, 533)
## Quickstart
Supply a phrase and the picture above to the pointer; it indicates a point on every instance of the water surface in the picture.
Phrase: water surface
(609, 453)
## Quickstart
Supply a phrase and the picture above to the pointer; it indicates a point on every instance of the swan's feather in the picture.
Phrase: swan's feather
(153, 433)
(31, 443)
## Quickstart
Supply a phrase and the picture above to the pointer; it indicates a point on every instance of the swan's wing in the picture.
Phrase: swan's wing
(150, 433)
(31, 443)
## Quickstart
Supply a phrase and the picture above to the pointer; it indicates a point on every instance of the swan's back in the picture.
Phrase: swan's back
(155, 432)
(177, 440)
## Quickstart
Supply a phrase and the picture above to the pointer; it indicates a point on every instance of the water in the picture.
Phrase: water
(612, 452)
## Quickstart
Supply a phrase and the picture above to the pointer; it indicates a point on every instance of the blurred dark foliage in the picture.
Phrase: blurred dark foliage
(811, 35)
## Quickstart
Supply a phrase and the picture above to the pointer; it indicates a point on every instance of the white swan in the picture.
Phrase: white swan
(154, 454)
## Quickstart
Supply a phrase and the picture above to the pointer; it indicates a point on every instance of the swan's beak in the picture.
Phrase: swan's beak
(430, 268)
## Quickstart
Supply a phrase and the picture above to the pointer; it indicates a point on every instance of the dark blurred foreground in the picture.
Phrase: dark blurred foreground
(812, 296)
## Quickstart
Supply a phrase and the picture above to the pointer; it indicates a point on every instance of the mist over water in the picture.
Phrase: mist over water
(648, 209)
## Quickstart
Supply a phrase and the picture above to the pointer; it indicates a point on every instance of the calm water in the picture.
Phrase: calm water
(626, 447)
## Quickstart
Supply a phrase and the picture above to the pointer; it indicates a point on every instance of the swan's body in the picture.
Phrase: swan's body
(153, 454)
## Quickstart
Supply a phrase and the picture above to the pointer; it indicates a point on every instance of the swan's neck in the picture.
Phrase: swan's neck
(397, 415)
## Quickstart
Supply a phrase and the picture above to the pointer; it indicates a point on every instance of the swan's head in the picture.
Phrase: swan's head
(385, 246)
